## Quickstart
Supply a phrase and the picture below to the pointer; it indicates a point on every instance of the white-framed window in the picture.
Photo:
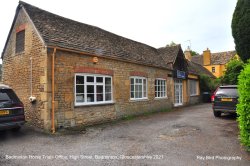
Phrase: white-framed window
(92, 89)
(138, 88)
(193, 87)
(160, 88)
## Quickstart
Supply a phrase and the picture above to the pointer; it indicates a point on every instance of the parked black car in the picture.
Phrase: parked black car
(11, 109)
(225, 99)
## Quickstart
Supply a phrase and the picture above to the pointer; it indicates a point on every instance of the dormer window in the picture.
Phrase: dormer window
(20, 41)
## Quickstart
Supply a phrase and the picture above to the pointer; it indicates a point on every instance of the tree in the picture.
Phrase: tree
(233, 69)
(193, 53)
(171, 44)
(240, 29)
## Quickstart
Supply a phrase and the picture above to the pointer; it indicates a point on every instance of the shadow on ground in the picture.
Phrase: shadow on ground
(229, 116)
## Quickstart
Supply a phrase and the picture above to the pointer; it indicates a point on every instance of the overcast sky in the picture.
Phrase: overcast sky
(199, 23)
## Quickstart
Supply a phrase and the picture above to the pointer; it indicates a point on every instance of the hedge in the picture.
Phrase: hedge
(243, 108)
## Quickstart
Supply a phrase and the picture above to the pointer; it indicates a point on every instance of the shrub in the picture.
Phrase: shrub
(243, 108)
(234, 68)
(208, 84)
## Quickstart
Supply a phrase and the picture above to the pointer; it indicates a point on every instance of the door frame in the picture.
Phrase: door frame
(179, 82)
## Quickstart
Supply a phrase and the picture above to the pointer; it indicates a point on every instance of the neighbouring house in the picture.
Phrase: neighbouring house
(214, 62)
(196, 68)
(68, 73)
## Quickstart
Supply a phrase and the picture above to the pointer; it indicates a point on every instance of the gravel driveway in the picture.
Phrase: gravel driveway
(186, 136)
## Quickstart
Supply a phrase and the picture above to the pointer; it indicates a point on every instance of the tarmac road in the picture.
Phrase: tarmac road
(187, 136)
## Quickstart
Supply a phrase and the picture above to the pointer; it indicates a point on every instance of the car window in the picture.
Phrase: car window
(8, 95)
(228, 91)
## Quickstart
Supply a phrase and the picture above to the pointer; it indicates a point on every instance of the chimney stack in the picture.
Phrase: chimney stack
(188, 54)
(206, 57)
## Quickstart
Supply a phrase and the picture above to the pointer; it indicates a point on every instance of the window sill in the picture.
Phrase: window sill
(94, 104)
(19, 53)
(135, 100)
(161, 98)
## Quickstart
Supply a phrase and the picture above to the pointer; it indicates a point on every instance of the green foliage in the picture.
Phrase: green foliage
(233, 69)
(193, 53)
(208, 84)
(171, 44)
(240, 29)
(243, 108)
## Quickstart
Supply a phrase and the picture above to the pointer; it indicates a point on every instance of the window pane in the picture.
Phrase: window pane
(79, 79)
(137, 94)
(99, 79)
(137, 88)
(132, 81)
(107, 89)
(192, 87)
(140, 94)
(79, 97)
(20, 40)
(79, 88)
(230, 91)
(107, 81)
(132, 87)
(144, 94)
(140, 88)
(90, 79)
(144, 87)
(99, 89)
(90, 97)
(132, 94)
(162, 94)
(90, 88)
(108, 96)
(99, 97)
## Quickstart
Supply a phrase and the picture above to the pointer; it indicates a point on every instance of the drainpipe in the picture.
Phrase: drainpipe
(53, 92)
(31, 77)
(32, 99)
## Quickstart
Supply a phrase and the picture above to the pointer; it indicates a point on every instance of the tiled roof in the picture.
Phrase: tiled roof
(222, 57)
(197, 59)
(216, 58)
(195, 68)
(169, 53)
(62, 32)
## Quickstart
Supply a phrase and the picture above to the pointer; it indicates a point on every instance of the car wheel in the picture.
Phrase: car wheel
(16, 129)
(217, 113)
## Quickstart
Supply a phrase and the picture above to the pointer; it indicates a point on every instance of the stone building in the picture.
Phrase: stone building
(68, 73)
